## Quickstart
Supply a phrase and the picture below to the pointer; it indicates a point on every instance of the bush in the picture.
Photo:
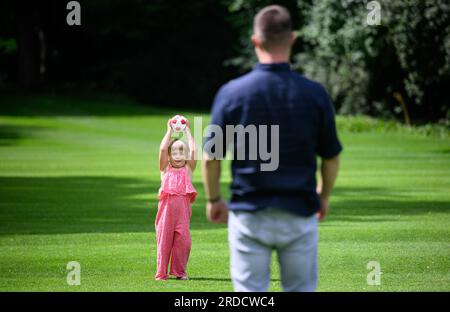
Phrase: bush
(363, 66)
(358, 124)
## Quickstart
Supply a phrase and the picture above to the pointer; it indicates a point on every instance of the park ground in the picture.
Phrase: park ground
(79, 180)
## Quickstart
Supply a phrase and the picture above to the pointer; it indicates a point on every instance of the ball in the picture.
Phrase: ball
(178, 123)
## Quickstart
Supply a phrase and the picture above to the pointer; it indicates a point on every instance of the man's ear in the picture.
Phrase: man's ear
(256, 41)
(293, 37)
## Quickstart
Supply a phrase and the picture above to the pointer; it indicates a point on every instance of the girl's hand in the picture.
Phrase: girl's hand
(169, 127)
(188, 125)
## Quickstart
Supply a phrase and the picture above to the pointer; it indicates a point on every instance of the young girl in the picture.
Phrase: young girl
(176, 195)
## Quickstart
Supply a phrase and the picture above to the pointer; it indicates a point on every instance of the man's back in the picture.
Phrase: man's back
(301, 121)
(271, 95)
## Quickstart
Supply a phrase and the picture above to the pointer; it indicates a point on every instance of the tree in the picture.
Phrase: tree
(386, 70)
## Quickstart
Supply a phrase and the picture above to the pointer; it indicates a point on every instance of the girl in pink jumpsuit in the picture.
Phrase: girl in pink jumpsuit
(176, 195)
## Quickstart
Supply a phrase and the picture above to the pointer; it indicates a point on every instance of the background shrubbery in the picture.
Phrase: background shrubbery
(363, 66)
(178, 52)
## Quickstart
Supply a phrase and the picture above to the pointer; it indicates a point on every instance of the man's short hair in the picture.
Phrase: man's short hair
(273, 26)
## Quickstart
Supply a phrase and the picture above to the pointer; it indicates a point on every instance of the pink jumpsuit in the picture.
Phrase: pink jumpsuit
(175, 196)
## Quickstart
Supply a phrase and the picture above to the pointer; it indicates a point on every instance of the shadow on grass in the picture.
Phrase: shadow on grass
(210, 279)
(444, 151)
(376, 204)
(48, 205)
(216, 279)
(10, 135)
(81, 104)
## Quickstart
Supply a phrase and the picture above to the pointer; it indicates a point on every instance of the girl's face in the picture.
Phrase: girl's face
(177, 156)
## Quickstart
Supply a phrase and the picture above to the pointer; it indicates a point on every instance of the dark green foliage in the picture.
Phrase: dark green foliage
(178, 52)
(164, 52)
(362, 65)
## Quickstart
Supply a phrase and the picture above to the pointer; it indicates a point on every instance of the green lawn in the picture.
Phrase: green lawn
(79, 180)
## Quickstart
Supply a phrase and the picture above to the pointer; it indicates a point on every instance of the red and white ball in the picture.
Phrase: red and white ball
(178, 123)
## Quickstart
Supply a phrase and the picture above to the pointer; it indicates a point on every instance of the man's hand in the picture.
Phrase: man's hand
(324, 207)
(217, 212)
(329, 169)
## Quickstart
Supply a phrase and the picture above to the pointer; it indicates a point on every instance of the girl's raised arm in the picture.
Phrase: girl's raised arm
(192, 159)
(164, 148)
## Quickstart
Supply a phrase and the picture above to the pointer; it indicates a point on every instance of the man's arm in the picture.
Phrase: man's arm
(211, 177)
(216, 209)
(329, 170)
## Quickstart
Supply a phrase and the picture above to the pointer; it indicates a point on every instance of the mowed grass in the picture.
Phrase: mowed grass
(79, 180)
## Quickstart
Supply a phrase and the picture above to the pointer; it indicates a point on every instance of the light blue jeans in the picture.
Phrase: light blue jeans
(254, 235)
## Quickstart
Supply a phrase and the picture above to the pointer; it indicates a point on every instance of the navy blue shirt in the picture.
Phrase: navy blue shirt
(273, 94)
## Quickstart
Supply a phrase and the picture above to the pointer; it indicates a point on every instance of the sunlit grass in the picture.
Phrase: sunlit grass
(78, 182)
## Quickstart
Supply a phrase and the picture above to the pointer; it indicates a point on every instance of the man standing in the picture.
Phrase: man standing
(273, 209)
